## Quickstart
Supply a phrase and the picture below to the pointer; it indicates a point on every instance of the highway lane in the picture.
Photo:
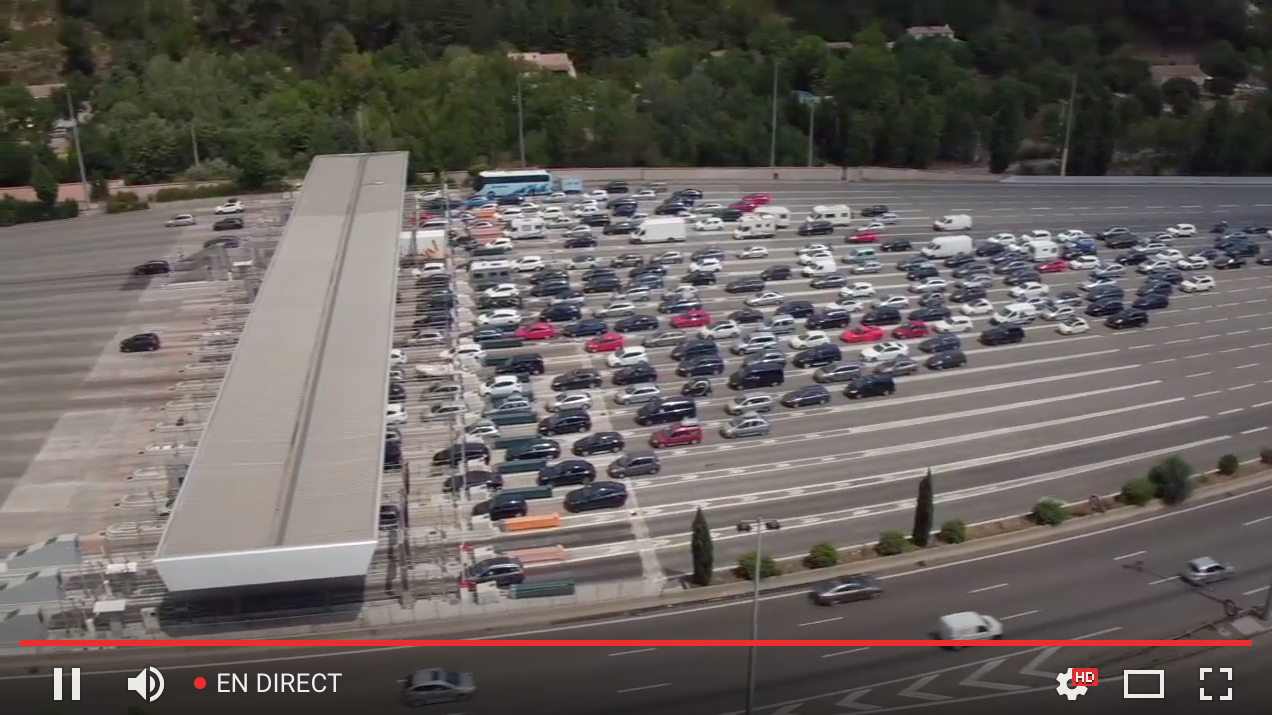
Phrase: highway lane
(1112, 583)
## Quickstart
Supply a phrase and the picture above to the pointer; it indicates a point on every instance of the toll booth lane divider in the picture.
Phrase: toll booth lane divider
(531, 523)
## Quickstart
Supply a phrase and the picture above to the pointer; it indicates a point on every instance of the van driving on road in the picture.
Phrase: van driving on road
(669, 229)
(946, 246)
(953, 222)
(836, 214)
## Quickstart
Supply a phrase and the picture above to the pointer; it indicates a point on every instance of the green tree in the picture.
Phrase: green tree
(702, 550)
(1004, 137)
(45, 184)
(258, 167)
(77, 48)
(336, 45)
(1181, 95)
(1222, 60)
(1173, 478)
(924, 512)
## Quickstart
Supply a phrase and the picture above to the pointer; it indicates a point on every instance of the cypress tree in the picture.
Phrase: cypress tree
(703, 550)
(924, 511)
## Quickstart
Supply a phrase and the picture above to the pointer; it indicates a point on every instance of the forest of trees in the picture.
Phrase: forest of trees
(251, 89)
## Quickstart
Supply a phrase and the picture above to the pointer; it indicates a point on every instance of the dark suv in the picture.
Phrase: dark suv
(525, 364)
(139, 343)
(565, 422)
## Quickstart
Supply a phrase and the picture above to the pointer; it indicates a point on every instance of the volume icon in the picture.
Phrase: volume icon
(148, 684)
(57, 683)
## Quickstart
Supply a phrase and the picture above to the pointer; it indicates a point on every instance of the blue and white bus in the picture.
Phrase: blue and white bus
(523, 182)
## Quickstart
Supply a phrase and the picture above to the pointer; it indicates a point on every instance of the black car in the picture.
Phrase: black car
(1003, 268)
(828, 319)
(882, 316)
(816, 228)
(580, 242)
(597, 495)
(636, 323)
(1265, 260)
(616, 187)
(565, 422)
(537, 448)
(457, 454)
(817, 356)
(634, 374)
(503, 506)
(967, 295)
(598, 443)
(699, 278)
(652, 281)
(679, 305)
(595, 220)
(152, 268)
(140, 343)
(620, 228)
(1226, 263)
(1021, 277)
(929, 314)
(603, 284)
(648, 268)
(986, 250)
(487, 334)
(694, 347)
(624, 208)
(671, 208)
(905, 265)
(776, 273)
(874, 211)
(1125, 240)
(1155, 287)
(746, 316)
(946, 360)
(1133, 318)
(728, 215)
(968, 270)
(831, 280)
(918, 273)
(583, 378)
(941, 344)
(700, 366)
(806, 396)
(548, 289)
(745, 285)
(1244, 250)
(585, 328)
(560, 313)
(567, 473)
(503, 571)
(1133, 258)
(872, 385)
(896, 245)
(494, 303)
(522, 364)
(795, 309)
(1152, 301)
(473, 479)
(1108, 306)
(1173, 276)
(897, 367)
(1003, 335)
(231, 223)
(959, 259)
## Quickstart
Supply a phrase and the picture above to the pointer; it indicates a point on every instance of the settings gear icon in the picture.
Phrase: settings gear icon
(1064, 687)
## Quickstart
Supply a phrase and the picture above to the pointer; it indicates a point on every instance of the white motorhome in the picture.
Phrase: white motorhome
(483, 274)
(526, 227)
(755, 226)
(946, 246)
(953, 222)
(669, 229)
(1043, 250)
(836, 214)
(781, 215)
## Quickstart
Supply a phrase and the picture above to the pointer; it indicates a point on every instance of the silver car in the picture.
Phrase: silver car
(577, 400)
(867, 267)
(754, 404)
(617, 309)
(841, 371)
(1206, 570)
(665, 339)
(180, 220)
(637, 394)
(515, 403)
(436, 685)
(747, 425)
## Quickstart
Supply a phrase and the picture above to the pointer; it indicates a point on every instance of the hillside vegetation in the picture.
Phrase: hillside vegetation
(254, 88)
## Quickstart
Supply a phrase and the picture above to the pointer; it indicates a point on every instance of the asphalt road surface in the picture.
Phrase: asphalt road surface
(1109, 584)
(1055, 416)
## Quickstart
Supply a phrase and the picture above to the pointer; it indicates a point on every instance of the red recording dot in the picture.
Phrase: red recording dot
(200, 683)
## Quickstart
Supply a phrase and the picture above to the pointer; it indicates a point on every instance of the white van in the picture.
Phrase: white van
(1043, 250)
(953, 222)
(1019, 313)
(755, 226)
(670, 229)
(526, 227)
(819, 267)
(946, 246)
(781, 215)
(483, 274)
(836, 214)
(968, 626)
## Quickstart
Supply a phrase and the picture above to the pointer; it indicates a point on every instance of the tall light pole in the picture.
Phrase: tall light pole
(1068, 125)
(759, 525)
(521, 123)
(773, 120)
(813, 102)
(79, 150)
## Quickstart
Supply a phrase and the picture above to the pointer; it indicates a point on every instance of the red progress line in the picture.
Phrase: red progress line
(631, 643)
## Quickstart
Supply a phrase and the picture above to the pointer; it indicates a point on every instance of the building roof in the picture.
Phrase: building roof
(550, 61)
(1162, 73)
(291, 455)
(930, 31)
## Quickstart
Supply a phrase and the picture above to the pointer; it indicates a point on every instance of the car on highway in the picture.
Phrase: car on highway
(940, 344)
(810, 339)
(700, 365)
(1085, 263)
(877, 384)
(946, 360)
(1005, 334)
(230, 223)
(830, 280)
(1130, 318)
(1109, 270)
(896, 245)
(140, 343)
(1073, 325)
(1225, 263)
(231, 206)
(859, 289)
(841, 371)
(636, 323)
(1153, 300)
(862, 334)
(597, 495)
(980, 306)
(1055, 265)
(152, 268)
(885, 351)
(953, 324)
(582, 378)
(721, 330)
(1197, 284)
(1206, 570)
(536, 331)
(604, 343)
(747, 425)
(1105, 307)
(767, 298)
(806, 396)
(637, 394)
(846, 589)
(1053, 313)
(180, 220)
(753, 252)
(911, 330)
(1182, 230)
(685, 433)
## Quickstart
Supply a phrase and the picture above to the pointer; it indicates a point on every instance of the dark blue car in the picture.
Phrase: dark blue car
(598, 495)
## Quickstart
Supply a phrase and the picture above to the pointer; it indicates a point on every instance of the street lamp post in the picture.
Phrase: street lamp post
(773, 121)
(759, 525)
(521, 123)
(1068, 126)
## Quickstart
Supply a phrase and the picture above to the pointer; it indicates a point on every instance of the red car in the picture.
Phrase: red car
(744, 206)
(1055, 265)
(691, 319)
(863, 334)
(677, 435)
(912, 329)
(864, 237)
(606, 343)
(757, 199)
(536, 331)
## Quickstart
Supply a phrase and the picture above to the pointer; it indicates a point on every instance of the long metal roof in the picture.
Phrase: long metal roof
(292, 452)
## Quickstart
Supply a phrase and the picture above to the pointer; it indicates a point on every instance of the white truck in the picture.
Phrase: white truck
(755, 226)
(1042, 250)
(781, 215)
(670, 229)
(526, 228)
(953, 222)
(836, 214)
(946, 246)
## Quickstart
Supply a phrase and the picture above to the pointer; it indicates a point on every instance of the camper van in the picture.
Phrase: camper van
(669, 229)
(483, 274)
(953, 222)
(755, 226)
(781, 215)
(946, 246)
(526, 227)
(837, 214)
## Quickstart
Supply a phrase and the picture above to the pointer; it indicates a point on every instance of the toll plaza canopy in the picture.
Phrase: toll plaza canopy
(285, 482)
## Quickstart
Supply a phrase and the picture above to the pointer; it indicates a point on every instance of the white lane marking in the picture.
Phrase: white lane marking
(1260, 520)
(1252, 431)
(1129, 556)
(824, 620)
(1242, 387)
(1246, 366)
(1207, 394)
(1163, 580)
(633, 652)
(1198, 374)
(1260, 404)
(845, 652)
(643, 687)
(988, 588)
(1160, 362)
(1022, 614)
(1253, 591)
(1231, 412)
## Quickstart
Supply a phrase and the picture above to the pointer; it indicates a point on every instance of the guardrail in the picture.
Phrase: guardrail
(682, 176)
(1164, 181)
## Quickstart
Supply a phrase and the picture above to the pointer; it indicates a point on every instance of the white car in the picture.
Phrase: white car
(1055, 313)
(560, 222)
(708, 208)
(432, 268)
(1072, 234)
(1031, 289)
(1003, 239)
(637, 394)
(1154, 265)
(1170, 255)
(502, 243)
(464, 351)
(644, 195)
(635, 294)
(754, 252)
(582, 263)
(808, 259)
(482, 429)
(892, 301)
(627, 356)
(508, 213)
(395, 415)
(551, 212)
(1182, 230)
(556, 197)
(681, 291)
(1154, 247)
(1084, 263)
(502, 386)
(811, 339)
(615, 309)
(768, 297)
(1096, 282)
(722, 330)
(708, 224)
(869, 267)
(929, 285)
(397, 357)
(980, 306)
(857, 290)
(670, 257)
(1192, 263)
(954, 324)
(529, 264)
(1073, 326)
(500, 318)
(1037, 235)
(1197, 284)
(232, 206)
(503, 290)
(887, 218)
(889, 350)
(433, 195)
(852, 305)
(529, 207)
(1110, 270)
(706, 265)
(598, 195)
(570, 401)
(812, 248)
(870, 227)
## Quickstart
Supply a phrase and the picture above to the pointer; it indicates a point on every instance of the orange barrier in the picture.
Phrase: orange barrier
(541, 555)
(530, 523)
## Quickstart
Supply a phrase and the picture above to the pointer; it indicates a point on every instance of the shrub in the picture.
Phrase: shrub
(953, 531)
(1137, 492)
(768, 567)
(125, 201)
(892, 543)
(821, 556)
(212, 191)
(1050, 512)
(1172, 478)
(1265, 455)
(15, 211)
(1228, 465)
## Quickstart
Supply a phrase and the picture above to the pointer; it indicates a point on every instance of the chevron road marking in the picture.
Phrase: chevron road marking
(1031, 668)
(974, 680)
(914, 691)
(850, 702)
